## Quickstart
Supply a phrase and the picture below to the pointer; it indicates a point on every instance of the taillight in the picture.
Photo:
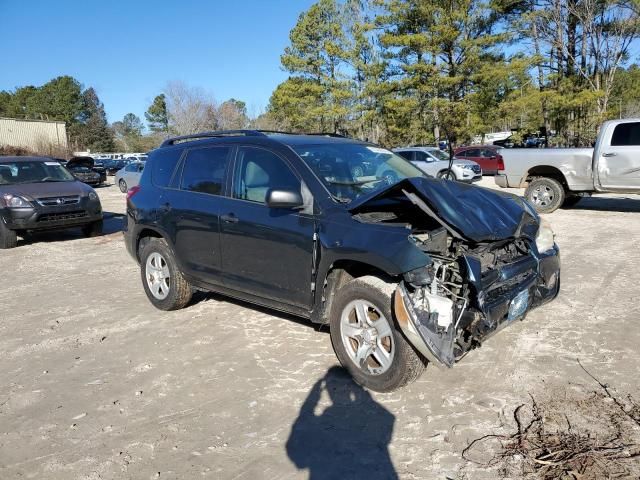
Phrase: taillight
(132, 191)
(500, 162)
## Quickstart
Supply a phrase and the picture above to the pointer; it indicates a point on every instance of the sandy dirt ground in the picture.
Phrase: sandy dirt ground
(97, 384)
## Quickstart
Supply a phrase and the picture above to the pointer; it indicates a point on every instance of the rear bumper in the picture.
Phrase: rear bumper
(492, 311)
(501, 180)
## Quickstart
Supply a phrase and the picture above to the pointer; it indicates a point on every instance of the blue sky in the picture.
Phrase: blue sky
(129, 50)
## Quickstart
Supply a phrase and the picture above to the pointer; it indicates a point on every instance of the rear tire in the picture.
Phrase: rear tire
(93, 229)
(172, 291)
(123, 186)
(545, 194)
(8, 237)
(376, 295)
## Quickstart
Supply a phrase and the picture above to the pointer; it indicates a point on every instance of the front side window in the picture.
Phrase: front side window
(331, 162)
(626, 134)
(439, 155)
(204, 170)
(407, 154)
(259, 170)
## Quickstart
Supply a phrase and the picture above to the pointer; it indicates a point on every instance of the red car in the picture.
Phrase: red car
(487, 156)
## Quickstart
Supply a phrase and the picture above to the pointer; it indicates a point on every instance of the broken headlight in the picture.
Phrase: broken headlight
(545, 239)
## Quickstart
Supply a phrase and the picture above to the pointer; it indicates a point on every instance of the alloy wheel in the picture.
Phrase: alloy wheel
(157, 275)
(542, 195)
(367, 337)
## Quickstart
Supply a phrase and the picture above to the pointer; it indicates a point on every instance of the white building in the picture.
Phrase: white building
(36, 135)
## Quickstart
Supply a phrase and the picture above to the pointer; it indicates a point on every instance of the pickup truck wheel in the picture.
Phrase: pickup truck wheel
(163, 282)
(365, 337)
(8, 237)
(545, 194)
(571, 200)
(447, 175)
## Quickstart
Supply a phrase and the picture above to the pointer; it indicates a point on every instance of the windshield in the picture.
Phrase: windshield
(12, 173)
(351, 170)
(440, 155)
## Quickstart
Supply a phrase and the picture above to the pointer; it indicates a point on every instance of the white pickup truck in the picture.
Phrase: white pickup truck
(554, 177)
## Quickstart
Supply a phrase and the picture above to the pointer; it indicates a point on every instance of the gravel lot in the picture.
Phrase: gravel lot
(97, 384)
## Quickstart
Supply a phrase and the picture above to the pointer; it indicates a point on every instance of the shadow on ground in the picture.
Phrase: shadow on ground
(112, 224)
(347, 440)
(607, 204)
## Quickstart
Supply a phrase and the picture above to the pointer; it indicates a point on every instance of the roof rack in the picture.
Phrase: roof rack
(238, 133)
(219, 133)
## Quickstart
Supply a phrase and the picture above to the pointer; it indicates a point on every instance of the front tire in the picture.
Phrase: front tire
(366, 339)
(545, 194)
(8, 237)
(163, 282)
(123, 186)
(447, 175)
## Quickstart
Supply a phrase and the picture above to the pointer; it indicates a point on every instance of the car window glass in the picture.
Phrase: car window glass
(472, 152)
(488, 153)
(164, 161)
(259, 170)
(626, 134)
(204, 170)
(422, 157)
(406, 154)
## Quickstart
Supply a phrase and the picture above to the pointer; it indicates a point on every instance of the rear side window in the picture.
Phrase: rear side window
(406, 154)
(472, 152)
(163, 164)
(204, 170)
(626, 134)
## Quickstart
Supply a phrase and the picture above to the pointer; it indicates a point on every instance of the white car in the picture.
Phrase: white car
(129, 176)
(435, 162)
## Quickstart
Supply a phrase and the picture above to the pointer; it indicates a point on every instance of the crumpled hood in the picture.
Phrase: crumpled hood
(476, 213)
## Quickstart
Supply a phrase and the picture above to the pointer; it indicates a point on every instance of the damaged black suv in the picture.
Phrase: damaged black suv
(405, 269)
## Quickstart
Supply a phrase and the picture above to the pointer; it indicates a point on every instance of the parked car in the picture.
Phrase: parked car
(129, 176)
(84, 169)
(112, 166)
(435, 162)
(40, 194)
(418, 270)
(554, 177)
(489, 157)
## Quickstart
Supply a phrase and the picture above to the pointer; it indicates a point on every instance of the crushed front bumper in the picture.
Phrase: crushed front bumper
(535, 280)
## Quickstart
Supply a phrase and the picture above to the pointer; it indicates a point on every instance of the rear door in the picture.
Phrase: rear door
(489, 160)
(190, 211)
(619, 157)
(266, 251)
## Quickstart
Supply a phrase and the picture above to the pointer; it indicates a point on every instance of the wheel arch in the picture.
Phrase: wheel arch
(546, 171)
(144, 235)
(339, 273)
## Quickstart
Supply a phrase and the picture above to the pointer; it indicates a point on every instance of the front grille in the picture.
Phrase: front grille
(476, 168)
(56, 201)
(56, 217)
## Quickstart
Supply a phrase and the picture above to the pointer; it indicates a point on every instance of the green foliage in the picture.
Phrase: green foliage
(92, 131)
(156, 115)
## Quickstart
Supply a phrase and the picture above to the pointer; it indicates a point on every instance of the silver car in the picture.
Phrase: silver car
(129, 176)
(435, 162)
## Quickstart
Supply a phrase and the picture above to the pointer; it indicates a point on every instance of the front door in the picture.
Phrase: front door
(190, 212)
(619, 162)
(266, 251)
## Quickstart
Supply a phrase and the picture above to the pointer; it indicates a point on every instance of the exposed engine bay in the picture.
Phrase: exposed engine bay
(468, 289)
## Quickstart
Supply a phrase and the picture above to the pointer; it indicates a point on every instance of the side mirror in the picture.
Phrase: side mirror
(284, 199)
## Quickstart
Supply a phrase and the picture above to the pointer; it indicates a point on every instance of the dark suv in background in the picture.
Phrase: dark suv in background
(39, 194)
(403, 268)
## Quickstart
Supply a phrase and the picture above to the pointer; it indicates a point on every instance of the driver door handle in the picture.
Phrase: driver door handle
(609, 154)
(229, 218)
